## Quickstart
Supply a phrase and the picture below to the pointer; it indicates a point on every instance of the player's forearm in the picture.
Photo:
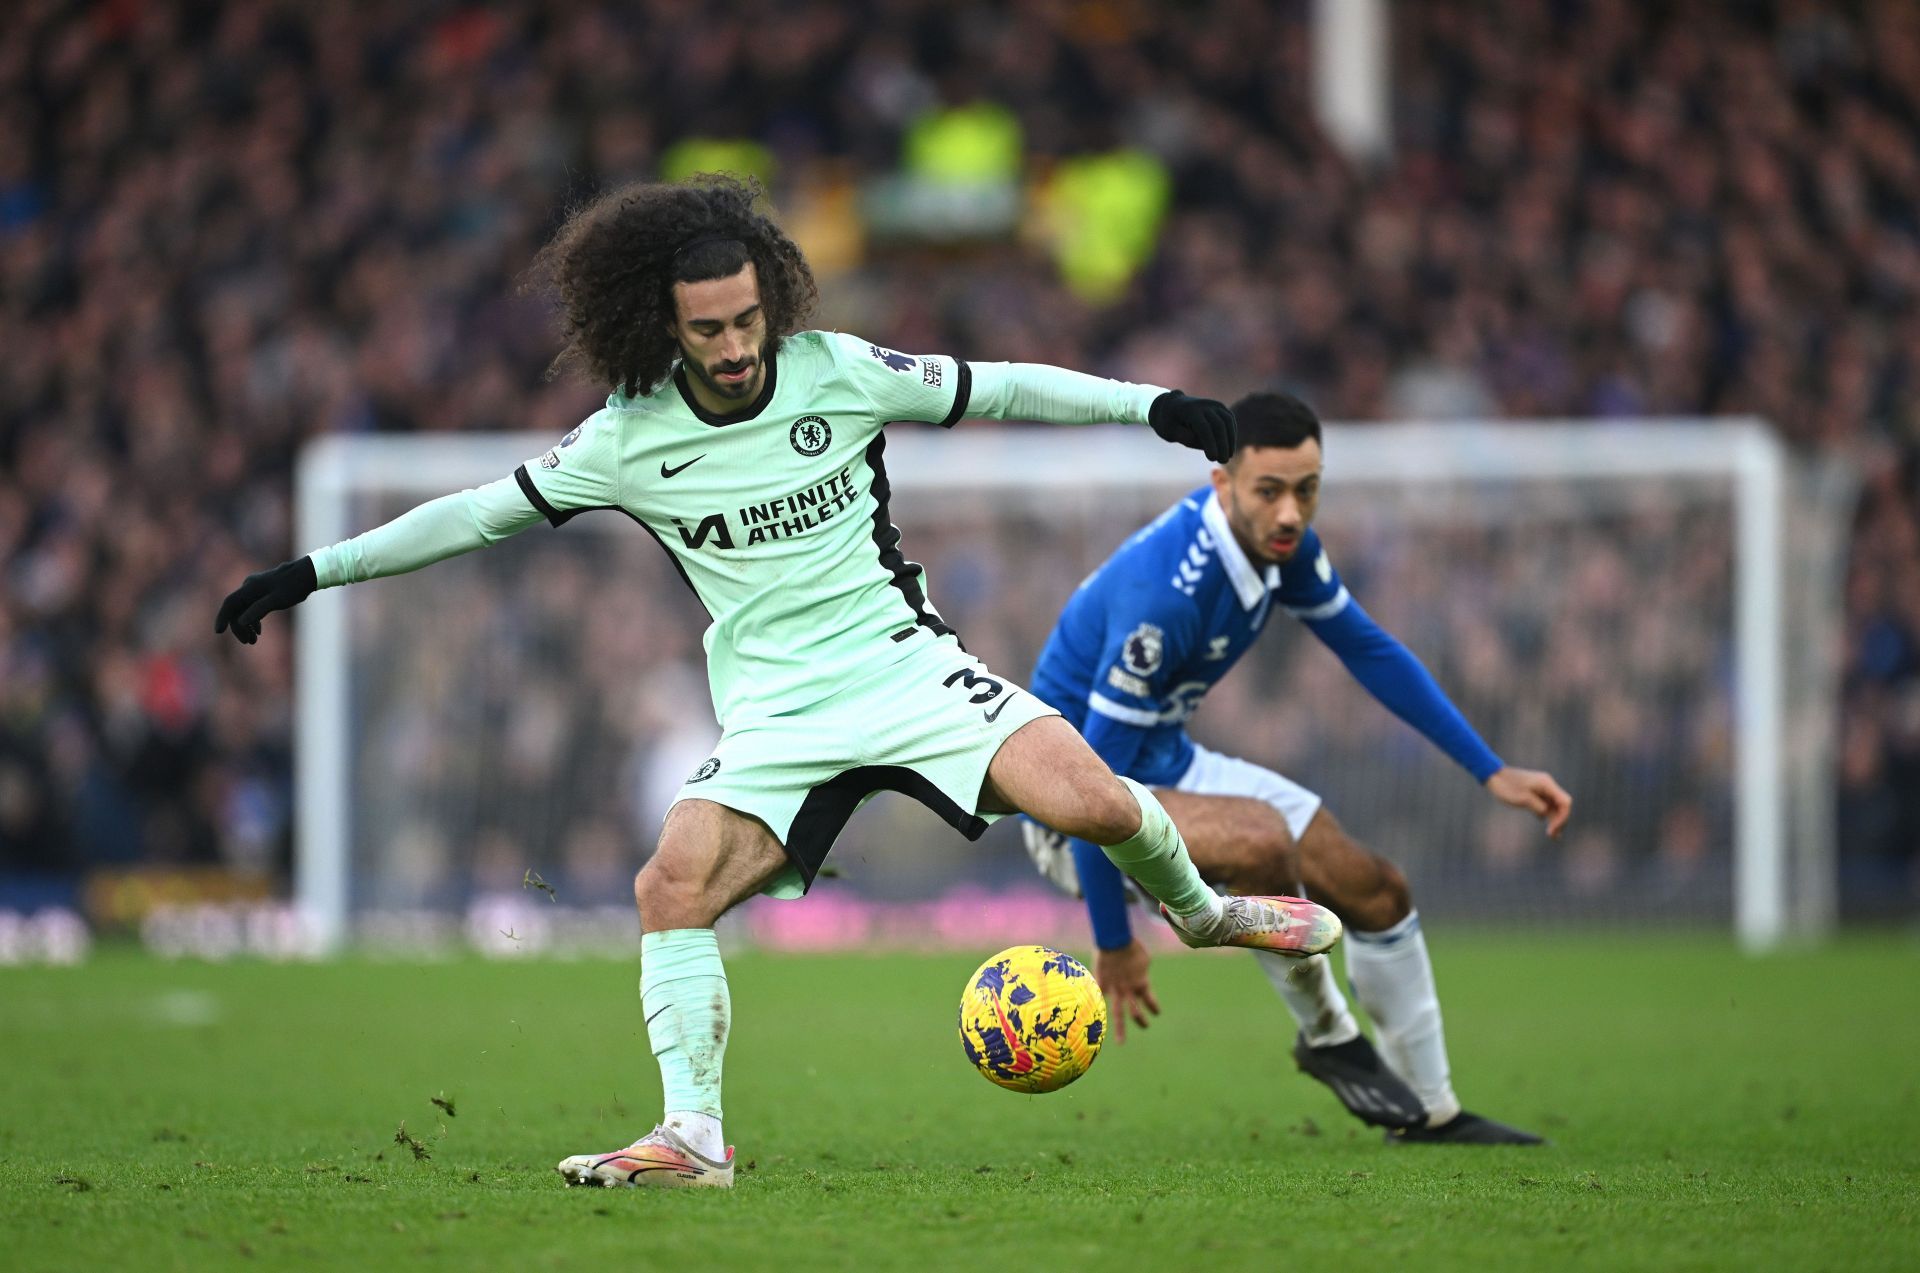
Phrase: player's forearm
(1393, 675)
(436, 530)
(1054, 395)
(1106, 892)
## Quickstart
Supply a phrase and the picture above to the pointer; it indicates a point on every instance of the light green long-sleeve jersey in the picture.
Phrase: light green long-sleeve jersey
(776, 517)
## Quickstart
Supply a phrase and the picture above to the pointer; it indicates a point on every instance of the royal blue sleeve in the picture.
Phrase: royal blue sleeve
(1402, 683)
(1105, 889)
(1149, 628)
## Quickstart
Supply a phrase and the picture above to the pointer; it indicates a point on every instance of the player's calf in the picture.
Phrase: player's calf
(1367, 891)
(1240, 844)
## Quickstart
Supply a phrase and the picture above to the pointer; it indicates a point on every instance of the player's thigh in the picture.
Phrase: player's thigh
(1046, 771)
(709, 860)
(1364, 889)
(1238, 841)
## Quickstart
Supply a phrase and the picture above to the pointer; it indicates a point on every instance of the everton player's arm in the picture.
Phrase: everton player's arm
(1146, 628)
(1311, 591)
(579, 473)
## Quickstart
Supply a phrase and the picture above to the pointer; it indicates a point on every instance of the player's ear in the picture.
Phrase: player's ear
(1222, 479)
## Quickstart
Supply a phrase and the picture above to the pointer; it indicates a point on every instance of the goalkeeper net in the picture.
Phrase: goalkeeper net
(1616, 604)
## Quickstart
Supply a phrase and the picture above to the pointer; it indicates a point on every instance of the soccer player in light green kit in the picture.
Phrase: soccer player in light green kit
(753, 451)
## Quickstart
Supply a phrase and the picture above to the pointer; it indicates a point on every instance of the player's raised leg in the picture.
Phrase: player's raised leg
(1392, 976)
(1245, 844)
(710, 858)
(1047, 771)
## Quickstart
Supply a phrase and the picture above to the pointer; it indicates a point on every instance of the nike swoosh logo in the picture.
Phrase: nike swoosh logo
(994, 715)
(680, 468)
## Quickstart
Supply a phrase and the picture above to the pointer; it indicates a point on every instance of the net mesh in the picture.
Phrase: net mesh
(534, 707)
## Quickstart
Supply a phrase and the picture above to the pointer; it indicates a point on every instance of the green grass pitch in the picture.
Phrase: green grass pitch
(1708, 1112)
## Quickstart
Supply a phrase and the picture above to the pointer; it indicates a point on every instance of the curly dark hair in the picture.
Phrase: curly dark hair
(613, 265)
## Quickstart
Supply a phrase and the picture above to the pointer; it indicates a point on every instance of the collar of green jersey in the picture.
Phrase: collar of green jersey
(748, 412)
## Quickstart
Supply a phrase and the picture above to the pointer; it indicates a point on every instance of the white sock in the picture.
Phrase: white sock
(1393, 980)
(1312, 995)
(702, 1131)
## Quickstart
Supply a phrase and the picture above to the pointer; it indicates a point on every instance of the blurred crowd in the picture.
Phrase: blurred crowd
(226, 229)
(1577, 626)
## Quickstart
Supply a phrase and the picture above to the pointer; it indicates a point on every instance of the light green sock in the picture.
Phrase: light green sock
(683, 990)
(1157, 859)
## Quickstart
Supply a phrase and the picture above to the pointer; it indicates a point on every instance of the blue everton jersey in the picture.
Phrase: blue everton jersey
(1150, 632)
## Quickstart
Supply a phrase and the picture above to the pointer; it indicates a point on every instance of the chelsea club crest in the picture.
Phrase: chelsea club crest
(810, 435)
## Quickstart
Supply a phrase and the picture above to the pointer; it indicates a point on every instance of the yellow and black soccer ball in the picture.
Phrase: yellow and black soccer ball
(1032, 1019)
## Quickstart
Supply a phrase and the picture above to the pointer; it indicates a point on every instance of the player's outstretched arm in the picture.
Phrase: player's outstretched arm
(1535, 791)
(1396, 676)
(942, 390)
(1054, 395)
(436, 530)
(580, 473)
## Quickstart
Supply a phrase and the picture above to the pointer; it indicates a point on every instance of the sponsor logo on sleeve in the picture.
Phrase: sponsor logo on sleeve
(1217, 647)
(894, 362)
(551, 460)
(930, 374)
(1127, 683)
(1144, 647)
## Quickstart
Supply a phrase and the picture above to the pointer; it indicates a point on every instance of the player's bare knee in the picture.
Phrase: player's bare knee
(670, 895)
(1111, 813)
(1093, 805)
(1264, 858)
(1387, 901)
(1277, 856)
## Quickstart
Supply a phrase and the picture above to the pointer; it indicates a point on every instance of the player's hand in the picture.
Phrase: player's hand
(284, 586)
(1122, 975)
(1200, 423)
(1535, 791)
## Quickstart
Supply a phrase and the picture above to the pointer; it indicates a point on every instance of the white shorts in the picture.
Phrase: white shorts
(1210, 774)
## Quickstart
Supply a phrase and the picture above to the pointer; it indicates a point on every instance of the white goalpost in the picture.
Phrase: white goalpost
(1619, 603)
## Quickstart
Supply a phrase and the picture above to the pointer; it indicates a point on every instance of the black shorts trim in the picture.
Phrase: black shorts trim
(824, 813)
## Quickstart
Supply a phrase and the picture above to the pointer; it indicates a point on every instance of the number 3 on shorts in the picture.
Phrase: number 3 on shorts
(968, 679)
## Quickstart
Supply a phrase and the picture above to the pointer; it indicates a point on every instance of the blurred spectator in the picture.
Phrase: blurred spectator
(225, 229)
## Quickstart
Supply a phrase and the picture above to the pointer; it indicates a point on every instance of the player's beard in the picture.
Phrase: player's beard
(732, 390)
(1258, 547)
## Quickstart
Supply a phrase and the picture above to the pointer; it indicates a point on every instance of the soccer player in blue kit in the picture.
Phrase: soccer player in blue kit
(1139, 645)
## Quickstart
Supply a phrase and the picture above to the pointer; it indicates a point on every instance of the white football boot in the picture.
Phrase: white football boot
(1285, 925)
(658, 1160)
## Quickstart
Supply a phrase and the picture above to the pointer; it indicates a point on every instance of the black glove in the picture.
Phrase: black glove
(1201, 423)
(281, 588)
